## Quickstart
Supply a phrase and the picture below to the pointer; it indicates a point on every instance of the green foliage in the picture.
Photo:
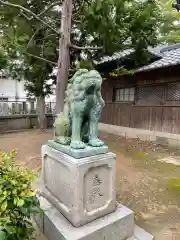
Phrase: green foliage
(174, 184)
(18, 202)
(36, 76)
(145, 20)
(28, 43)
(169, 29)
(113, 25)
(118, 25)
(120, 72)
(86, 64)
(3, 59)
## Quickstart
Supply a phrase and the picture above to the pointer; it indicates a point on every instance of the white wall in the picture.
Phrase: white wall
(11, 89)
(20, 90)
(52, 97)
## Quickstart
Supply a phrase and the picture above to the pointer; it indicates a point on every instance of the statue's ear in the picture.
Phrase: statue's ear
(80, 72)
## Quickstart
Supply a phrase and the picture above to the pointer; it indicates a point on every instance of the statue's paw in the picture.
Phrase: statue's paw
(63, 140)
(96, 143)
(77, 145)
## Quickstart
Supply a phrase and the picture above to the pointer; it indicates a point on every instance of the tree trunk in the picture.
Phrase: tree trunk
(41, 112)
(64, 58)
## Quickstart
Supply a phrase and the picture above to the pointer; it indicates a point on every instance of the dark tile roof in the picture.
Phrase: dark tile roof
(122, 54)
(115, 56)
(170, 56)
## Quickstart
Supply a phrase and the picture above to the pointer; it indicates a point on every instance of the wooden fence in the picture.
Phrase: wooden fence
(155, 118)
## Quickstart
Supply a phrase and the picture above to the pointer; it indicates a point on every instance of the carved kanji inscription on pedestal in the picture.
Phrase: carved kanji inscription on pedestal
(97, 183)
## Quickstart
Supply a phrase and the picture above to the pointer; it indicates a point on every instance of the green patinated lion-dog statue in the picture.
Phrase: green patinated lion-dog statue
(77, 126)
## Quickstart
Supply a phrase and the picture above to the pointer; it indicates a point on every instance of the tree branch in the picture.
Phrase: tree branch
(80, 8)
(53, 34)
(24, 15)
(29, 12)
(48, 8)
(41, 58)
(32, 55)
(31, 39)
(76, 21)
(84, 48)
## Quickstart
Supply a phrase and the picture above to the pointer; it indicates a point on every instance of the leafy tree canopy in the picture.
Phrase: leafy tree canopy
(28, 42)
(170, 27)
(3, 59)
(111, 24)
(31, 31)
(117, 25)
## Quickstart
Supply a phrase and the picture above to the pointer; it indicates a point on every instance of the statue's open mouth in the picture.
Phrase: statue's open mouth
(90, 89)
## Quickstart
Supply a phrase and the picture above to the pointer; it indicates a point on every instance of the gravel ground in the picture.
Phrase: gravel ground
(142, 180)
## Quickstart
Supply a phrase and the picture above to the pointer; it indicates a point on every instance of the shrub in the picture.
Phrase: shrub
(18, 202)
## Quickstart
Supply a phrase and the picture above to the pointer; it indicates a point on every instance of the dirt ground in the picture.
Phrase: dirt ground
(142, 180)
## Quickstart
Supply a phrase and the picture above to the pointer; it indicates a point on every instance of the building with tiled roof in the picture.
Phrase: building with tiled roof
(170, 56)
(150, 97)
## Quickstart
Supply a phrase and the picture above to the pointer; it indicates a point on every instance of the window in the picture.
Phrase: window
(3, 99)
(173, 92)
(124, 94)
(150, 95)
(161, 94)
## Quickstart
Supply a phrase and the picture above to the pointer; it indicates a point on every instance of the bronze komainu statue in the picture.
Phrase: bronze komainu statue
(78, 124)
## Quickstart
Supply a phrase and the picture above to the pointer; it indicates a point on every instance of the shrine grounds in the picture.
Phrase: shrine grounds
(143, 173)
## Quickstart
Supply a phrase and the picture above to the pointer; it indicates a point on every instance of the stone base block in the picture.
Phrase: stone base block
(81, 189)
(114, 226)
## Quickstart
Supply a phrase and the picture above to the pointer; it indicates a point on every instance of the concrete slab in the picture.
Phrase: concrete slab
(115, 226)
(141, 234)
(163, 138)
(137, 232)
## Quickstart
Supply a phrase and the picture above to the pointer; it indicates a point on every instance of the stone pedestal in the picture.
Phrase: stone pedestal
(78, 199)
(81, 189)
